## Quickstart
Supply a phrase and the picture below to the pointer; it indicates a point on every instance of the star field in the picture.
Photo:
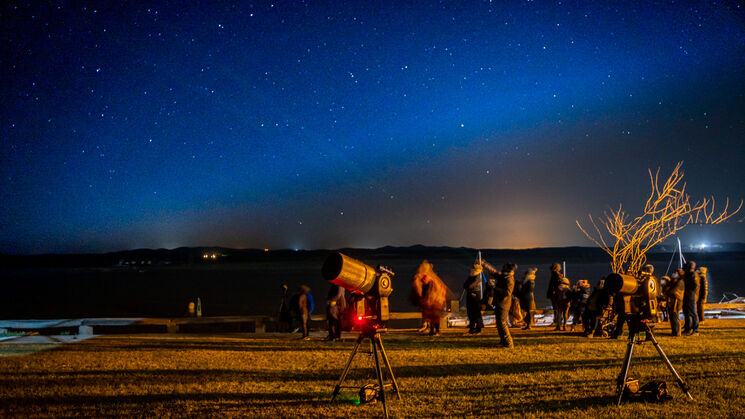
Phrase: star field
(313, 124)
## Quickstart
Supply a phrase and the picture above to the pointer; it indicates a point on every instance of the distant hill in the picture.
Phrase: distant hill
(223, 255)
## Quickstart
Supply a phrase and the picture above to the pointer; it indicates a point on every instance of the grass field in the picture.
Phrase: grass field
(546, 374)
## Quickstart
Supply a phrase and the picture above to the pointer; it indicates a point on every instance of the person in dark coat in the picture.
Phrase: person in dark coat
(690, 299)
(553, 290)
(597, 311)
(504, 284)
(580, 294)
(473, 300)
(562, 297)
(674, 291)
(527, 297)
(336, 304)
(703, 293)
(285, 314)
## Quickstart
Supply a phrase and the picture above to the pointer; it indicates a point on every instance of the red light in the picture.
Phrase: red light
(359, 318)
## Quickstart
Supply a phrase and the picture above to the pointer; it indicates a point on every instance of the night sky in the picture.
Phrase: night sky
(362, 124)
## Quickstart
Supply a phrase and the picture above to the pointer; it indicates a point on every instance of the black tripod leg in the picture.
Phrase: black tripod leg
(388, 366)
(681, 383)
(346, 368)
(379, 373)
(621, 380)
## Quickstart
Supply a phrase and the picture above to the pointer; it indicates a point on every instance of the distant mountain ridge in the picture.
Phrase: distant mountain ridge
(217, 254)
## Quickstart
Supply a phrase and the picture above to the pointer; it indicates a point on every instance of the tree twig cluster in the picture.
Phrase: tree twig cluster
(667, 210)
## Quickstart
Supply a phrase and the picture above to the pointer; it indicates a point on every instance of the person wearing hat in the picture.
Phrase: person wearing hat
(430, 294)
(674, 290)
(597, 305)
(703, 293)
(527, 296)
(580, 294)
(690, 298)
(562, 298)
(473, 300)
(502, 296)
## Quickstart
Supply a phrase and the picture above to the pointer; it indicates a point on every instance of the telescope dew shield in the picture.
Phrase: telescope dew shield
(623, 284)
(349, 273)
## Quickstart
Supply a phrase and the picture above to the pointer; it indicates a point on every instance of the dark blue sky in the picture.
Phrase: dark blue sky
(332, 124)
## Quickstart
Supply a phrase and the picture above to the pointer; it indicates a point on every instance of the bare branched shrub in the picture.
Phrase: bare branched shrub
(667, 211)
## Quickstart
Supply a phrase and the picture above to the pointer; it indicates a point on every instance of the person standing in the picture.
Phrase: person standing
(580, 295)
(553, 291)
(562, 298)
(285, 314)
(674, 291)
(303, 308)
(690, 298)
(527, 297)
(429, 293)
(703, 293)
(473, 300)
(502, 298)
(336, 304)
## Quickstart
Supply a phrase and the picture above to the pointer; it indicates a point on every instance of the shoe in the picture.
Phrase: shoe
(526, 328)
(306, 338)
(507, 345)
(478, 332)
(692, 333)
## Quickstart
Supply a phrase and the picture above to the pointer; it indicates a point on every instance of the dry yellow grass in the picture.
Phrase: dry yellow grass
(547, 374)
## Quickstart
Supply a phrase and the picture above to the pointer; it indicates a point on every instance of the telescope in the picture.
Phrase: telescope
(639, 295)
(370, 288)
(639, 305)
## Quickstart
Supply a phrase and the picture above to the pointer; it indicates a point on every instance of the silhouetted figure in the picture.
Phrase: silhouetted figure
(473, 300)
(504, 284)
(562, 299)
(285, 314)
(527, 296)
(690, 299)
(598, 311)
(580, 294)
(674, 291)
(336, 304)
(553, 287)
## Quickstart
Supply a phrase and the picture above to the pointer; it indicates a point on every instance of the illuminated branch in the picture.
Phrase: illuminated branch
(667, 210)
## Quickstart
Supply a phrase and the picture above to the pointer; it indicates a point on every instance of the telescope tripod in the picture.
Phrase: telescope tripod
(636, 326)
(377, 351)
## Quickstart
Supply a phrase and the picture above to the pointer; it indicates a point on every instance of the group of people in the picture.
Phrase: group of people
(298, 308)
(513, 302)
(686, 289)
